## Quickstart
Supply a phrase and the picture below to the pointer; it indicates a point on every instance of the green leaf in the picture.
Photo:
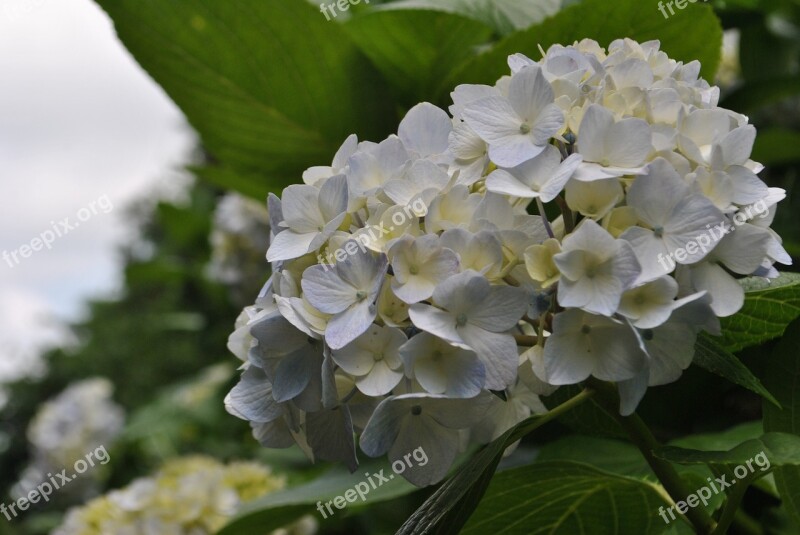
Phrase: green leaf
(721, 440)
(283, 507)
(611, 455)
(769, 306)
(271, 87)
(505, 16)
(777, 146)
(783, 378)
(416, 50)
(714, 358)
(691, 34)
(780, 449)
(567, 498)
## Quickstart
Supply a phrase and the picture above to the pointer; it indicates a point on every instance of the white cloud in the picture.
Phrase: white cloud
(80, 119)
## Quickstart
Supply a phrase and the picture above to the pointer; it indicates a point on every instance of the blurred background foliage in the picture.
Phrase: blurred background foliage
(273, 88)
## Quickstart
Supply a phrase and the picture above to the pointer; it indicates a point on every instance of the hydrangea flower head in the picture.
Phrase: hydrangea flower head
(585, 216)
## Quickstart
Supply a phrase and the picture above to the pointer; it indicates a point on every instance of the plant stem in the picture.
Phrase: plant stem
(547, 226)
(585, 395)
(526, 340)
(643, 438)
(569, 218)
(732, 504)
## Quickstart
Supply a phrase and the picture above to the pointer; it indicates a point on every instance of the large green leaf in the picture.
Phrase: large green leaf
(763, 453)
(567, 498)
(281, 508)
(416, 50)
(769, 306)
(271, 87)
(504, 16)
(615, 456)
(691, 34)
(714, 358)
(783, 378)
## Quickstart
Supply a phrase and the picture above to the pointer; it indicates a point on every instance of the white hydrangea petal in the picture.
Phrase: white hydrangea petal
(591, 141)
(288, 245)
(439, 444)
(502, 308)
(652, 253)
(251, 399)
(346, 326)
(498, 353)
(333, 197)
(325, 290)
(727, 295)
(651, 304)
(425, 129)
(738, 144)
(330, 436)
(628, 143)
(354, 358)
(363, 270)
(530, 93)
(435, 321)
(300, 205)
(462, 292)
(743, 250)
(631, 392)
(380, 380)
(503, 182)
(294, 373)
(747, 187)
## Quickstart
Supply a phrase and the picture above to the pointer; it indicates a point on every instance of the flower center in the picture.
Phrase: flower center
(461, 320)
(658, 231)
(413, 270)
(524, 128)
(361, 295)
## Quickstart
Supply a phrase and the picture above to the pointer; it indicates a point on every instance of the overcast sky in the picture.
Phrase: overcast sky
(79, 120)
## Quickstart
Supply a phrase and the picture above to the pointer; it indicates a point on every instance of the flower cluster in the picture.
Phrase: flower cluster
(77, 421)
(573, 220)
(238, 239)
(189, 496)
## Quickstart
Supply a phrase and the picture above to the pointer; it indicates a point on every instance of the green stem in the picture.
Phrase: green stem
(732, 503)
(585, 395)
(746, 524)
(569, 218)
(546, 223)
(643, 438)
